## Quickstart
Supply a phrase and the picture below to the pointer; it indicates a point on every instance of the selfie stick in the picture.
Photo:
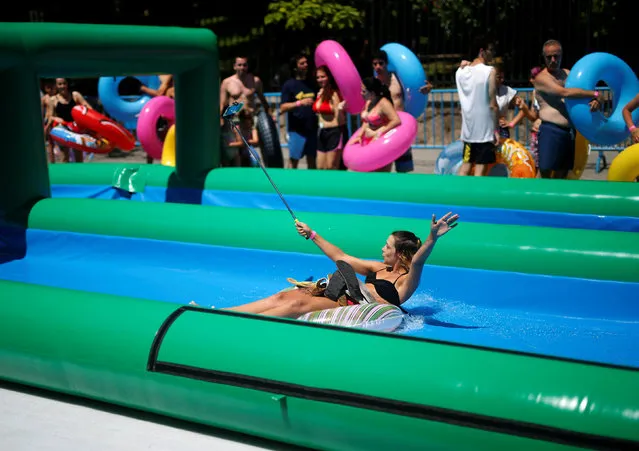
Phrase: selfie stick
(231, 111)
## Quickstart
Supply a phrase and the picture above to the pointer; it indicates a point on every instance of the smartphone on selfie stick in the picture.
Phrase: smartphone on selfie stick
(228, 114)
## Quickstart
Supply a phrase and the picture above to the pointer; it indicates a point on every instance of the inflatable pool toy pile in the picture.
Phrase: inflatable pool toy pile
(92, 132)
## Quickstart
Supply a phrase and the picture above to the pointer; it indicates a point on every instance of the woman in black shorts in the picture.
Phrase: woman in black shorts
(333, 133)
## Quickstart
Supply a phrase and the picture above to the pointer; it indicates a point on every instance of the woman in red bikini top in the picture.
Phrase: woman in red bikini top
(333, 133)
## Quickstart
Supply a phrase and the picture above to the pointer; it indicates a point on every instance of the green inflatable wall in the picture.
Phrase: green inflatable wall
(539, 250)
(586, 197)
(247, 373)
(32, 50)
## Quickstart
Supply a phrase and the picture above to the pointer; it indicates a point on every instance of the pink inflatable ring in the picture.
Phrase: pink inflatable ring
(332, 55)
(384, 150)
(152, 111)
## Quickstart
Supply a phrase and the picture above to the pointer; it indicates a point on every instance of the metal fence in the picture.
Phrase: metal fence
(441, 123)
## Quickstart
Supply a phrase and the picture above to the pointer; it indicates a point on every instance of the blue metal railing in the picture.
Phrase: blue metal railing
(441, 123)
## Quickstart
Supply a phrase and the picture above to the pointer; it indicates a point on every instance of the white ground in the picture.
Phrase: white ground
(36, 420)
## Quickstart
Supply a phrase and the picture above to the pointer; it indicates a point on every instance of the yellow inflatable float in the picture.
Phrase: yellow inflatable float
(517, 159)
(519, 162)
(512, 156)
(581, 157)
(625, 166)
(168, 149)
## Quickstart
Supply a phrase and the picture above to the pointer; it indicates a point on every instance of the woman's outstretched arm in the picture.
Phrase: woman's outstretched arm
(438, 228)
(335, 253)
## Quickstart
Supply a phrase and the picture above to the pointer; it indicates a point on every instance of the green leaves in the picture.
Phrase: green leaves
(300, 14)
(465, 14)
(602, 17)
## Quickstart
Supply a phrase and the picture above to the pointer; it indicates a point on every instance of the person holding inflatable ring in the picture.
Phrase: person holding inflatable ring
(166, 88)
(627, 117)
(556, 132)
(59, 111)
(298, 96)
(378, 116)
(380, 66)
(333, 133)
(390, 281)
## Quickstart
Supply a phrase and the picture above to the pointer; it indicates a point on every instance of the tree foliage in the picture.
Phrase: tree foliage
(300, 14)
(601, 17)
(467, 14)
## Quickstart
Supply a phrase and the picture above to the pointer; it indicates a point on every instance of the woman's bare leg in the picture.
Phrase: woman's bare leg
(65, 154)
(333, 159)
(49, 147)
(296, 307)
(270, 302)
(321, 160)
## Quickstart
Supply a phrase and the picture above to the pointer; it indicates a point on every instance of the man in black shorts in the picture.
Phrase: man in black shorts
(476, 87)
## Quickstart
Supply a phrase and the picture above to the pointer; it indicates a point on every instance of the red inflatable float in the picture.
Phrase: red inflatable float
(104, 127)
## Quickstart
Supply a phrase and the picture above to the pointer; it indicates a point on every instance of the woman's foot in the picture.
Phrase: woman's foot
(198, 305)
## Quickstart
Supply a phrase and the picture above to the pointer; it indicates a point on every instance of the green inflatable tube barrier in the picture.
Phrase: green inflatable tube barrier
(539, 250)
(584, 197)
(245, 373)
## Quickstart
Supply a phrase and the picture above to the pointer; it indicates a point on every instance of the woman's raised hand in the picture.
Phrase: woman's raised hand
(441, 226)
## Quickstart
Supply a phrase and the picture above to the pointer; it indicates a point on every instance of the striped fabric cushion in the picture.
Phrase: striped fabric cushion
(379, 317)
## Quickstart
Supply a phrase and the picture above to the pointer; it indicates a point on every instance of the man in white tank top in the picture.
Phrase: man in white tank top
(476, 87)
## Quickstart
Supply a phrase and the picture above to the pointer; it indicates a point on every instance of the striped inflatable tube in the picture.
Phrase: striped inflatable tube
(378, 317)
(86, 143)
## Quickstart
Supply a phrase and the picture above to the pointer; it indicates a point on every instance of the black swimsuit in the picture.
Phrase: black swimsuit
(385, 288)
(63, 110)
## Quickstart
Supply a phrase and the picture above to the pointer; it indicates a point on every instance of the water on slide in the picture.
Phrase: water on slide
(566, 317)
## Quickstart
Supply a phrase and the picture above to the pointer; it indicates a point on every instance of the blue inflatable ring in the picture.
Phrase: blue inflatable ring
(411, 75)
(623, 83)
(121, 109)
(450, 159)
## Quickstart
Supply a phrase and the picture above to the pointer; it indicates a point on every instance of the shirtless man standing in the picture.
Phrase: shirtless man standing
(242, 87)
(556, 138)
(380, 66)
